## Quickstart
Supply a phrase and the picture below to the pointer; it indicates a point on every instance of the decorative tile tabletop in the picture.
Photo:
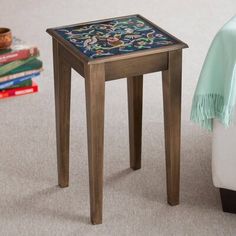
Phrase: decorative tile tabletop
(116, 36)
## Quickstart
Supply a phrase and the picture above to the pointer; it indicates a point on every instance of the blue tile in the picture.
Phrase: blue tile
(115, 37)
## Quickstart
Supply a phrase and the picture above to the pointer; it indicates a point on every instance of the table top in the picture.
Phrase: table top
(116, 37)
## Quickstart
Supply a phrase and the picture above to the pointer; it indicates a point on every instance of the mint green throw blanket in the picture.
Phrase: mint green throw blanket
(215, 95)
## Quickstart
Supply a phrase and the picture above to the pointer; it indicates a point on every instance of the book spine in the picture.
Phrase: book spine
(26, 83)
(18, 55)
(19, 91)
(13, 65)
(18, 75)
(17, 81)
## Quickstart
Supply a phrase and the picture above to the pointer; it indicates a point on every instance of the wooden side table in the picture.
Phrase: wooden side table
(106, 50)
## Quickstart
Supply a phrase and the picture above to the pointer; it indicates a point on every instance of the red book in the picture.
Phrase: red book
(18, 51)
(19, 91)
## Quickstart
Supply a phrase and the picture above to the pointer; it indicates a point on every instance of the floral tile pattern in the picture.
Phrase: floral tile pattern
(114, 37)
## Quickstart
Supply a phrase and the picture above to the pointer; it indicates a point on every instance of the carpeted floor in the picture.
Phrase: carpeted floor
(134, 202)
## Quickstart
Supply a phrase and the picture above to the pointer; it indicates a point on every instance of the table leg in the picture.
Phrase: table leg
(95, 96)
(228, 200)
(62, 86)
(135, 102)
(171, 82)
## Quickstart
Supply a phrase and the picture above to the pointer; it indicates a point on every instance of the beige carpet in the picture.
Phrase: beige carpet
(134, 202)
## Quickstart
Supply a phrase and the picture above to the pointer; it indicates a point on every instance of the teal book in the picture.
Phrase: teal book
(14, 67)
(34, 64)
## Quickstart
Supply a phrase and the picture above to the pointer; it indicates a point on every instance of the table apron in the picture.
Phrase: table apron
(72, 60)
(136, 66)
(122, 68)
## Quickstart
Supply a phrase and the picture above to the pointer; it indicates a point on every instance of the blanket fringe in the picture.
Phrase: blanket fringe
(205, 108)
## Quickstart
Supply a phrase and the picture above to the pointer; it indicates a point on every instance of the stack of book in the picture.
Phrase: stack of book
(18, 66)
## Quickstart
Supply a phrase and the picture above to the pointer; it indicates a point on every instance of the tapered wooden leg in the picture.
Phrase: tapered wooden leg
(135, 102)
(95, 95)
(62, 85)
(171, 80)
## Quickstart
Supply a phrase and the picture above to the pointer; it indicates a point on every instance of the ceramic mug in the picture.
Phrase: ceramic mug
(5, 38)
